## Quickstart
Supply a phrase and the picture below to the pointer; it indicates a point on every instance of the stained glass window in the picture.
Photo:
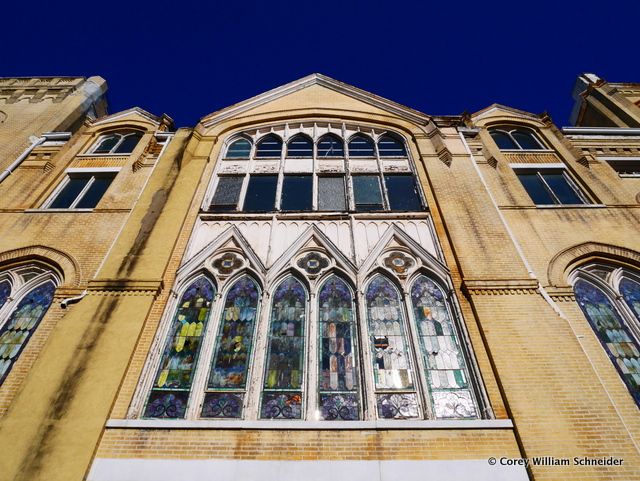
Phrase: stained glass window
(392, 366)
(338, 374)
(630, 291)
(5, 290)
(613, 333)
(230, 364)
(443, 359)
(21, 324)
(170, 392)
(282, 394)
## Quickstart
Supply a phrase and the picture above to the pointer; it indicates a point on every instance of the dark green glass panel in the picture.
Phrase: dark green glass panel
(240, 149)
(297, 192)
(366, 191)
(403, 193)
(261, 193)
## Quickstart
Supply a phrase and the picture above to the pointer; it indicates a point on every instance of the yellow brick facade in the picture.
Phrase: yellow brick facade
(72, 405)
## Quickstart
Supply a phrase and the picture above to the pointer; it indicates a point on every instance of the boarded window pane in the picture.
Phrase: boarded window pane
(331, 194)
(95, 192)
(403, 193)
(240, 149)
(68, 194)
(297, 192)
(300, 146)
(261, 193)
(536, 188)
(330, 146)
(227, 193)
(560, 186)
(366, 191)
(389, 146)
(361, 146)
(269, 146)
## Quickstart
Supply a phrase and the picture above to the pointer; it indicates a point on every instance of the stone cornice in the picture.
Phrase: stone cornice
(125, 286)
(499, 286)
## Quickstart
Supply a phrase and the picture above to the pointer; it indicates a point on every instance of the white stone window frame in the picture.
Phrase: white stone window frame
(314, 166)
(509, 129)
(123, 134)
(554, 167)
(267, 284)
(88, 171)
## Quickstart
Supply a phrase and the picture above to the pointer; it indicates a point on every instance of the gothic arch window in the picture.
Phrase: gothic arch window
(26, 292)
(172, 384)
(444, 364)
(228, 376)
(300, 146)
(330, 145)
(361, 145)
(509, 138)
(610, 300)
(239, 149)
(394, 376)
(282, 392)
(117, 143)
(269, 146)
(338, 380)
(391, 146)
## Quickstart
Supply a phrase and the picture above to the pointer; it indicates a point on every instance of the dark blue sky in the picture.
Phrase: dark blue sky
(188, 58)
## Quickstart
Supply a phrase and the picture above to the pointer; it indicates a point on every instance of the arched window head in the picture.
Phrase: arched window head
(117, 143)
(284, 368)
(227, 382)
(393, 371)
(330, 145)
(361, 145)
(239, 149)
(444, 363)
(269, 146)
(32, 296)
(515, 139)
(300, 146)
(611, 304)
(172, 385)
(338, 387)
(391, 146)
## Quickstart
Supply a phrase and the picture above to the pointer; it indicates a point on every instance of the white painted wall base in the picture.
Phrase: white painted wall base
(105, 469)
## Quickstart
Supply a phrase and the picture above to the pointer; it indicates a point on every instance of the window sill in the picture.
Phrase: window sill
(50, 211)
(309, 425)
(553, 206)
(528, 151)
(320, 215)
(88, 154)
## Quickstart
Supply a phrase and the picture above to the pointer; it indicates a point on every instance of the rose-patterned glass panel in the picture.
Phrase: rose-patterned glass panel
(392, 367)
(630, 291)
(232, 355)
(337, 376)
(444, 362)
(5, 290)
(22, 323)
(285, 352)
(222, 405)
(614, 335)
(170, 391)
(397, 406)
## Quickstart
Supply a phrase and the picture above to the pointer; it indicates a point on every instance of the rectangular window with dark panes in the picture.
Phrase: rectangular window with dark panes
(367, 195)
(550, 186)
(331, 194)
(402, 192)
(629, 167)
(227, 194)
(82, 190)
(261, 193)
(297, 193)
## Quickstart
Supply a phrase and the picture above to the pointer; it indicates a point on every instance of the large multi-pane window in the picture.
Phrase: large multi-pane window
(610, 300)
(81, 189)
(117, 143)
(550, 186)
(325, 350)
(518, 138)
(26, 292)
(360, 174)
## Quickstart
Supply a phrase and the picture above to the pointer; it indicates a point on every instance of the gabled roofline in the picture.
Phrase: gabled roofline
(149, 116)
(324, 81)
(499, 107)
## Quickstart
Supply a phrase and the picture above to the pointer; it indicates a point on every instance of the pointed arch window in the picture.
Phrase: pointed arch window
(117, 143)
(23, 303)
(300, 146)
(393, 371)
(284, 370)
(330, 145)
(338, 386)
(610, 300)
(172, 385)
(444, 363)
(227, 381)
(239, 149)
(515, 139)
(361, 146)
(269, 146)
(390, 146)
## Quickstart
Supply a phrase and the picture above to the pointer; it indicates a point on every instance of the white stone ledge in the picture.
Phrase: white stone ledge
(308, 425)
